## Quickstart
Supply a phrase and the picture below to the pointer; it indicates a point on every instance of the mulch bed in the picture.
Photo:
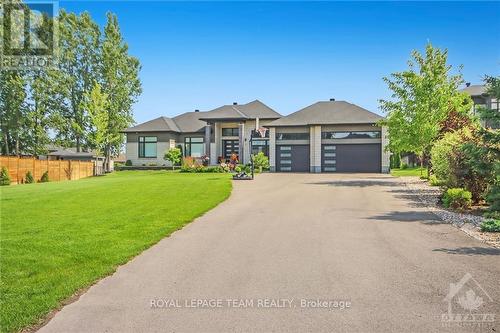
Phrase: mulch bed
(468, 222)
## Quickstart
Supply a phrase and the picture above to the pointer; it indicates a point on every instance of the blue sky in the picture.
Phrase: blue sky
(200, 55)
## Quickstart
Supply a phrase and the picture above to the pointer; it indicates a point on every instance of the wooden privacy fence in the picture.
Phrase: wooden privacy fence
(58, 170)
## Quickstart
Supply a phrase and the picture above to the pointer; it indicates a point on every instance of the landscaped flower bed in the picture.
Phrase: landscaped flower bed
(469, 221)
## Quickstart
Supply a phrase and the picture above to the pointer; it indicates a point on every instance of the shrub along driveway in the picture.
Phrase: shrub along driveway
(360, 238)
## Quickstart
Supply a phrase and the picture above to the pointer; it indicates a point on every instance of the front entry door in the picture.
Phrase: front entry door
(231, 147)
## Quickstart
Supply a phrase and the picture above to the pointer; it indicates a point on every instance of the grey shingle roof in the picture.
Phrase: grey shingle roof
(159, 124)
(257, 109)
(72, 152)
(331, 112)
(190, 122)
(252, 110)
(475, 90)
(224, 112)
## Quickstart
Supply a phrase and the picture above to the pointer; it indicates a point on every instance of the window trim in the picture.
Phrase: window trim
(232, 129)
(188, 142)
(142, 143)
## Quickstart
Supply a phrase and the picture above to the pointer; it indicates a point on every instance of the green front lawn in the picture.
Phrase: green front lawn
(416, 171)
(57, 238)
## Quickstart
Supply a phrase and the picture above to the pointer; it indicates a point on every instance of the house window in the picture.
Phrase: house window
(231, 131)
(194, 147)
(292, 136)
(147, 146)
(260, 146)
(351, 135)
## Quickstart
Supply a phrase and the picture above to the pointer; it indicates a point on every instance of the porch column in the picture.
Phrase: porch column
(207, 142)
(241, 137)
(272, 149)
(315, 148)
(386, 155)
(218, 141)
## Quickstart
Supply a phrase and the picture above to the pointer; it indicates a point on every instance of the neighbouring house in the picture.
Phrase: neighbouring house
(121, 158)
(60, 153)
(70, 154)
(329, 136)
(480, 97)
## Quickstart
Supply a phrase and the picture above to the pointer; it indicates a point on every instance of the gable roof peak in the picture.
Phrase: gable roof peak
(328, 113)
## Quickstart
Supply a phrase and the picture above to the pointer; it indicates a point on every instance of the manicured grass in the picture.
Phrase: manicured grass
(417, 172)
(59, 237)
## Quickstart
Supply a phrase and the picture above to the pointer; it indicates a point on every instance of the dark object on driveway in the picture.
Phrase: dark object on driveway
(242, 176)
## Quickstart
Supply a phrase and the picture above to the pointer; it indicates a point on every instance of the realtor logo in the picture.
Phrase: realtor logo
(465, 300)
(28, 32)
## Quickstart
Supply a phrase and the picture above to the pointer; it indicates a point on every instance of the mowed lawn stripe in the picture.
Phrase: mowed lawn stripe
(57, 238)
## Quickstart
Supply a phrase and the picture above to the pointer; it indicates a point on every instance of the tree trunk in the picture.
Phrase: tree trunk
(17, 145)
(421, 164)
(429, 169)
(107, 158)
(6, 142)
(77, 143)
(36, 149)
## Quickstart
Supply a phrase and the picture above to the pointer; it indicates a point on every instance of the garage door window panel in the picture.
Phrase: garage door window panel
(292, 136)
(294, 158)
(351, 135)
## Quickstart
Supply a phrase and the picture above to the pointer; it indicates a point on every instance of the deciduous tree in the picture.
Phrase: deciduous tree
(120, 81)
(96, 105)
(422, 97)
(78, 69)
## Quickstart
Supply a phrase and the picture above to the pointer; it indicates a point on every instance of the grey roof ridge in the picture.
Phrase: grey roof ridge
(172, 119)
(241, 113)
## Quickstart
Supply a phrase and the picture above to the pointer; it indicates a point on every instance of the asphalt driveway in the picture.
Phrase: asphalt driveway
(360, 244)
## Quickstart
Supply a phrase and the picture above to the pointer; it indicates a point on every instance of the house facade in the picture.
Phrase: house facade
(329, 136)
(481, 98)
